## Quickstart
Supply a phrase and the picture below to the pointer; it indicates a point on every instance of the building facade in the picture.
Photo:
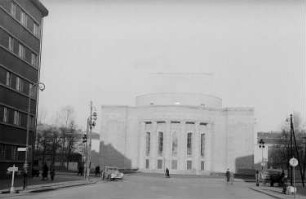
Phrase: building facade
(187, 133)
(21, 23)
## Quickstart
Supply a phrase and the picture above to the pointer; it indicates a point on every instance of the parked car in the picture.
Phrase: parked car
(273, 176)
(112, 173)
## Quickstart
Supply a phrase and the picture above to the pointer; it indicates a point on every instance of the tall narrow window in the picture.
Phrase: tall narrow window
(32, 121)
(21, 51)
(11, 44)
(33, 59)
(202, 144)
(16, 118)
(189, 144)
(189, 164)
(2, 151)
(202, 165)
(148, 143)
(36, 30)
(8, 79)
(32, 91)
(5, 114)
(24, 19)
(160, 143)
(13, 10)
(147, 164)
(19, 84)
(174, 144)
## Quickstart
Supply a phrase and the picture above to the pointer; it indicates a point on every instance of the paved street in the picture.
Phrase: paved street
(140, 187)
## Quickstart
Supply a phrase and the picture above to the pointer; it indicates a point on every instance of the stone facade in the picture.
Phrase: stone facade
(187, 133)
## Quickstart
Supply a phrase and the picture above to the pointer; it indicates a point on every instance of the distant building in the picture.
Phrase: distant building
(188, 133)
(21, 23)
(276, 149)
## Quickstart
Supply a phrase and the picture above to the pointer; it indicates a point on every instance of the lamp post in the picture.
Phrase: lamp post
(262, 146)
(91, 122)
(41, 87)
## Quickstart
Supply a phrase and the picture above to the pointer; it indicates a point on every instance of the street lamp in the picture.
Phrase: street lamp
(41, 87)
(262, 146)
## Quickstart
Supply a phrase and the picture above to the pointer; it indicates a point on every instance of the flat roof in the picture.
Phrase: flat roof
(41, 7)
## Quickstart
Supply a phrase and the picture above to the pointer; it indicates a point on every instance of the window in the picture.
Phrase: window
(32, 91)
(189, 144)
(36, 30)
(8, 153)
(202, 165)
(202, 144)
(21, 51)
(2, 151)
(174, 164)
(32, 122)
(14, 152)
(174, 144)
(8, 79)
(19, 84)
(33, 59)
(16, 118)
(160, 143)
(5, 114)
(13, 10)
(148, 144)
(159, 164)
(189, 164)
(24, 19)
(147, 164)
(11, 44)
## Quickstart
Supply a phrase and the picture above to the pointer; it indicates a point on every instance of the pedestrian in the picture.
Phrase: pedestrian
(285, 184)
(257, 178)
(97, 171)
(167, 174)
(228, 176)
(52, 172)
(45, 172)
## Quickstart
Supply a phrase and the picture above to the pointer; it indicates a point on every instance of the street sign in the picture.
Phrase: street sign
(21, 149)
(13, 168)
(263, 164)
(293, 162)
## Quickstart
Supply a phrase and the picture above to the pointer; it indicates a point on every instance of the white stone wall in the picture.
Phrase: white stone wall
(229, 137)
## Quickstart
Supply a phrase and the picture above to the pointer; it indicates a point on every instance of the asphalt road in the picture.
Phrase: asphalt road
(149, 187)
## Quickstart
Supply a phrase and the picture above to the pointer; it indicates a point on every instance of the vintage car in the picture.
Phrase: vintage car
(273, 176)
(111, 173)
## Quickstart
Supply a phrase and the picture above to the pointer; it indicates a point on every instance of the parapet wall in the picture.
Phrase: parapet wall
(187, 99)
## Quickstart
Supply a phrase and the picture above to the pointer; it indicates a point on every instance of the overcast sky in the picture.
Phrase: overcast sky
(107, 51)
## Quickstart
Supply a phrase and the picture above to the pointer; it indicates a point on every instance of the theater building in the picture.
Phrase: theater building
(188, 133)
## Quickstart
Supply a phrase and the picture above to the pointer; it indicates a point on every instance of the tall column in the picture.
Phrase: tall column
(208, 148)
(142, 143)
(182, 152)
(167, 145)
(154, 145)
(196, 149)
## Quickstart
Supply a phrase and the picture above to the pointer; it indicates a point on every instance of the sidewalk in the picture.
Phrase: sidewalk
(39, 186)
(275, 192)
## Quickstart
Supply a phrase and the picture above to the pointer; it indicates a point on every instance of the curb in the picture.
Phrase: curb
(274, 195)
(265, 192)
(45, 188)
